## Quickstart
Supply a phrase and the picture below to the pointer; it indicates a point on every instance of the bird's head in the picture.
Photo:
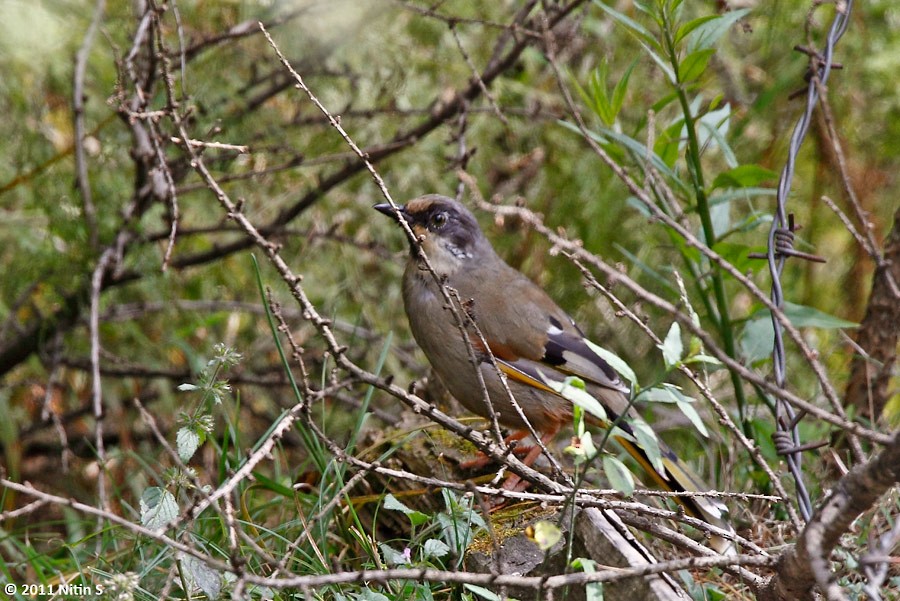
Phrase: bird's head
(445, 230)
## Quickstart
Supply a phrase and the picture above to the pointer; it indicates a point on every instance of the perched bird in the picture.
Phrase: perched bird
(534, 342)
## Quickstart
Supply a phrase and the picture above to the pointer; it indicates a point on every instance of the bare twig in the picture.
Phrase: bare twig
(78, 98)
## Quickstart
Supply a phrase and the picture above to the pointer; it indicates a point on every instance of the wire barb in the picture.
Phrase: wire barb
(784, 245)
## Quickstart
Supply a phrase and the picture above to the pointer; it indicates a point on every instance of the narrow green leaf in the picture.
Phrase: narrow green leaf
(630, 24)
(705, 35)
(688, 410)
(665, 101)
(593, 590)
(691, 26)
(643, 266)
(618, 95)
(662, 64)
(701, 358)
(758, 338)
(601, 102)
(729, 195)
(714, 125)
(640, 151)
(622, 368)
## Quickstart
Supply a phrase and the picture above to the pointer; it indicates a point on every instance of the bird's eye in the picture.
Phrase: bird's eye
(439, 220)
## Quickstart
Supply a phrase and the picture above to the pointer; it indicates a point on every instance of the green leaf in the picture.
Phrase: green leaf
(757, 340)
(702, 358)
(186, 441)
(601, 102)
(721, 218)
(370, 595)
(630, 24)
(638, 148)
(694, 64)
(669, 393)
(744, 176)
(662, 64)
(647, 440)
(391, 503)
(571, 391)
(618, 475)
(392, 556)
(545, 534)
(593, 590)
(688, 410)
(669, 143)
(622, 368)
(618, 95)
(484, 593)
(691, 26)
(642, 265)
(415, 517)
(209, 580)
(158, 507)
(672, 348)
(435, 548)
(809, 317)
(714, 125)
(657, 394)
(738, 255)
(706, 34)
(582, 450)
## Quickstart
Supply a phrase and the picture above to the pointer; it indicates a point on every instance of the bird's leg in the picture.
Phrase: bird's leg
(481, 460)
(515, 482)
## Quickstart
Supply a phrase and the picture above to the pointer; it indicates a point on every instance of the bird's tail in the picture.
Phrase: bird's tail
(678, 477)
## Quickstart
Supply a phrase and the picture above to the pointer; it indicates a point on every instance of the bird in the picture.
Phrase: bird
(525, 335)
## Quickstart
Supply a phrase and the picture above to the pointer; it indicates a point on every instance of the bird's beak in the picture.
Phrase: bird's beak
(386, 209)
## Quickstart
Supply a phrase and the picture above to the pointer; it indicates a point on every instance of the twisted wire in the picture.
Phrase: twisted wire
(780, 247)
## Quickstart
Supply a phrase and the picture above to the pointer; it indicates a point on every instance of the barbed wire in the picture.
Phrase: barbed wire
(780, 247)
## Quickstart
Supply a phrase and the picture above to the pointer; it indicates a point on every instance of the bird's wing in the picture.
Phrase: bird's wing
(568, 351)
(537, 344)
